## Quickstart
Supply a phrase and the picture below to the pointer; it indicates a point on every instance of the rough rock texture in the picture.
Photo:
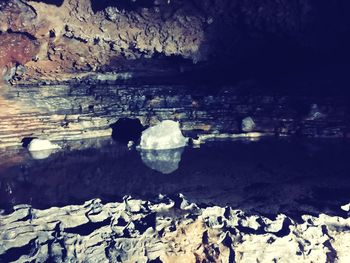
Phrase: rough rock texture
(168, 230)
(63, 112)
(15, 49)
(83, 36)
(163, 136)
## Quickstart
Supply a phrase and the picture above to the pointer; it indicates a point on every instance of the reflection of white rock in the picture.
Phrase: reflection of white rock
(41, 149)
(164, 161)
(43, 154)
(39, 145)
(315, 113)
(248, 124)
(165, 135)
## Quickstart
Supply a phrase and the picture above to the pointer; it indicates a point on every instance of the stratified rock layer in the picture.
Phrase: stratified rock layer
(168, 230)
(62, 112)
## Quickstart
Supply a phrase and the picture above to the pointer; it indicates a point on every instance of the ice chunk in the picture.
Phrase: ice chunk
(164, 161)
(163, 136)
(40, 145)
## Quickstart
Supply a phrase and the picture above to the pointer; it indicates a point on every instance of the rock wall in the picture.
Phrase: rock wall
(86, 111)
(82, 36)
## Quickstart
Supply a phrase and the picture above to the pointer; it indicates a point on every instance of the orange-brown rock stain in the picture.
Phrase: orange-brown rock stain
(16, 49)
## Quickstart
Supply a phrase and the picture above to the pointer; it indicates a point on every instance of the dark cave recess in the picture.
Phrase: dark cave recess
(51, 2)
(127, 5)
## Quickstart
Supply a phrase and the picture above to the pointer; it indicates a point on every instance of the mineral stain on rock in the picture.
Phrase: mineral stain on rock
(15, 49)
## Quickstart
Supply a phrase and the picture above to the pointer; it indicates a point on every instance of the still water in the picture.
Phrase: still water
(267, 176)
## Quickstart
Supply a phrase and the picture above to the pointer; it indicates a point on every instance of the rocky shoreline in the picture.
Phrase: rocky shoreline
(169, 229)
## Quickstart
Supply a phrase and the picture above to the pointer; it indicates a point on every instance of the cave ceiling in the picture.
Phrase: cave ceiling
(66, 37)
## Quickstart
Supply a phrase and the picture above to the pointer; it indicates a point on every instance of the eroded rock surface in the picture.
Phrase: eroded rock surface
(168, 230)
(77, 37)
(15, 49)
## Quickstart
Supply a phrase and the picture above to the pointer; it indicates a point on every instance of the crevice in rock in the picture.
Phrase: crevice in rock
(15, 253)
(88, 228)
(127, 5)
(51, 2)
(285, 230)
(26, 34)
(157, 260)
(146, 222)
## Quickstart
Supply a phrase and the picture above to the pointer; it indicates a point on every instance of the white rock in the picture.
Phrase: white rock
(276, 225)
(130, 144)
(250, 222)
(40, 145)
(163, 136)
(213, 216)
(346, 208)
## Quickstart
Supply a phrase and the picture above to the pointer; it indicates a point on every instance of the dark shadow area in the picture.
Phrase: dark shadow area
(14, 254)
(306, 50)
(280, 64)
(26, 34)
(51, 2)
(127, 5)
(27, 140)
(126, 129)
(88, 228)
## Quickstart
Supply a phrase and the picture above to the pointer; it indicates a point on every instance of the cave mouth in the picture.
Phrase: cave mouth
(127, 5)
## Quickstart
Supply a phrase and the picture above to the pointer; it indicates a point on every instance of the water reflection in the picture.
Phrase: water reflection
(268, 176)
(164, 161)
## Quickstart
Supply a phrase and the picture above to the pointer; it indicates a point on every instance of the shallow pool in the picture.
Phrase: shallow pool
(266, 176)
